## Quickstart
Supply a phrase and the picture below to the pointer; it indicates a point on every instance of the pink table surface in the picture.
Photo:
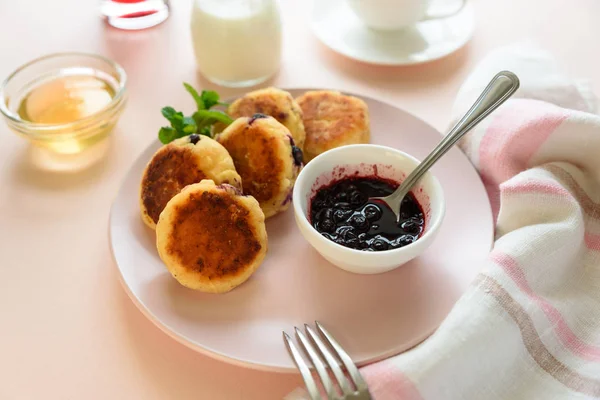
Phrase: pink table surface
(67, 328)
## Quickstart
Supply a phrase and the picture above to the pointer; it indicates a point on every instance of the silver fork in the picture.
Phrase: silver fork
(355, 390)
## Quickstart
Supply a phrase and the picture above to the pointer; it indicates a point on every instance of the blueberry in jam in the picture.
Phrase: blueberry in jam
(343, 213)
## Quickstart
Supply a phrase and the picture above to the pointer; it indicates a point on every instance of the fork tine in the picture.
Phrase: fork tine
(348, 363)
(311, 386)
(318, 363)
(333, 363)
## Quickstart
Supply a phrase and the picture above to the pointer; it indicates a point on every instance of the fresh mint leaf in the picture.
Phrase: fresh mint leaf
(189, 125)
(177, 121)
(209, 117)
(210, 98)
(200, 122)
(167, 134)
(200, 104)
(168, 113)
(205, 131)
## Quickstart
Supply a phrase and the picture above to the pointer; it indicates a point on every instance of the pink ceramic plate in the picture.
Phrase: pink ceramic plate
(373, 316)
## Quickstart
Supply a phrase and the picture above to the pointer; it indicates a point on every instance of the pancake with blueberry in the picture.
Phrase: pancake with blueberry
(266, 158)
(211, 237)
(180, 163)
(274, 102)
(332, 119)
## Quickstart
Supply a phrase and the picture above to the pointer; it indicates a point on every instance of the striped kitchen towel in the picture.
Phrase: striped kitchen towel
(529, 326)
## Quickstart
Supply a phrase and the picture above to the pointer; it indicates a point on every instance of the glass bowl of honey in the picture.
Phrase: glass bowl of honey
(64, 102)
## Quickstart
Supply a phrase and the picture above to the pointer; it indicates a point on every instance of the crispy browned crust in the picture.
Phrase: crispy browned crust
(211, 234)
(182, 162)
(171, 169)
(262, 153)
(332, 119)
(211, 238)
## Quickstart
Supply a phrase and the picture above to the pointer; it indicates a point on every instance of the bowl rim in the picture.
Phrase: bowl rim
(41, 128)
(434, 227)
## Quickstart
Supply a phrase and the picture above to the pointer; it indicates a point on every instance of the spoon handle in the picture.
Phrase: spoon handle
(500, 88)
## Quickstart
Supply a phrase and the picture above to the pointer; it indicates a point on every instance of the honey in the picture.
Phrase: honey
(65, 99)
(68, 110)
(66, 105)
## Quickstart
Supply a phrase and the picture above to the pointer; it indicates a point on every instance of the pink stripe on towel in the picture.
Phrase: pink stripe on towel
(592, 241)
(517, 131)
(562, 329)
(536, 187)
(387, 382)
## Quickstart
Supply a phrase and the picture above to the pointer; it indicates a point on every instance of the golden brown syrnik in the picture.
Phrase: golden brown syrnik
(183, 162)
(332, 119)
(211, 237)
(266, 158)
(276, 103)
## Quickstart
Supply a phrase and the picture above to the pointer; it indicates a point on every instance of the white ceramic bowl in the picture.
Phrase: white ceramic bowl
(366, 160)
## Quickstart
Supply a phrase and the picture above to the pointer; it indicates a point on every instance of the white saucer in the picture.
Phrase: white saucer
(334, 23)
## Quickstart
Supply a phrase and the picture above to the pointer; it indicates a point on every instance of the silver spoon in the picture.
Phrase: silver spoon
(500, 88)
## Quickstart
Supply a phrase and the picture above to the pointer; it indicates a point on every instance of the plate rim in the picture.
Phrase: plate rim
(239, 362)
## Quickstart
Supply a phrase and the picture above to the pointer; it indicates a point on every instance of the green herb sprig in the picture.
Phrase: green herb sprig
(200, 122)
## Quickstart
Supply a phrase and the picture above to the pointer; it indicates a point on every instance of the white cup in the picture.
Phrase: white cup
(390, 15)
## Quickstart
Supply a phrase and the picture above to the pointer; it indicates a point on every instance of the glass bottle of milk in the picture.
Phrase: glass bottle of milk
(237, 43)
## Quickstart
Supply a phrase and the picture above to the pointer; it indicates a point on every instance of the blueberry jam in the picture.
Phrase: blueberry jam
(343, 213)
